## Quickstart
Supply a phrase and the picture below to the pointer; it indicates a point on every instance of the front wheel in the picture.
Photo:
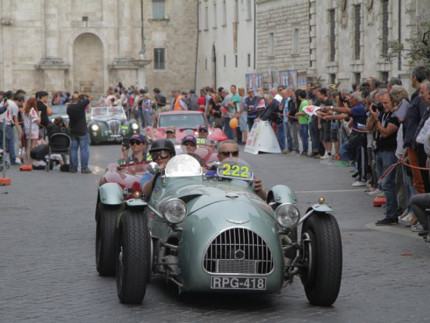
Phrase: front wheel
(132, 257)
(105, 238)
(321, 254)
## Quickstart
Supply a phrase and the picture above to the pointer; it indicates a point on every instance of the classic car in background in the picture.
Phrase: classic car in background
(110, 124)
(207, 231)
(186, 123)
(59, 111)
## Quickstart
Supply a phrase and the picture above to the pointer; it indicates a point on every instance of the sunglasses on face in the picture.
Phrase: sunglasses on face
(169, 132)
(228, 153)
(135, 142)
(163, 154)
(189, 143)
(202, 130)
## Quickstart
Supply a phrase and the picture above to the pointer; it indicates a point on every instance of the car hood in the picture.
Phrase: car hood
(199, 194)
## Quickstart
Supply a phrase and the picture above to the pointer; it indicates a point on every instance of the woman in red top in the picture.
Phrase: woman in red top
(201, 101)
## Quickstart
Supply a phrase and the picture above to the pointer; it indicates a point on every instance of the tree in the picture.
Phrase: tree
(418, 50)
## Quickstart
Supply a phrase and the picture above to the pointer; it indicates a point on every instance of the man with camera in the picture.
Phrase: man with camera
(79, 132)
(385, 125)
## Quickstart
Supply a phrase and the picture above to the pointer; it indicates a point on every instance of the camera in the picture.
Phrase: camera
(83, 97)
(378, 107)
(4, 100)
(126, 143)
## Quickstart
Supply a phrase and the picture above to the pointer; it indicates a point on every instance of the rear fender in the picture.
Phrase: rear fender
(111, 194)
(280, 194)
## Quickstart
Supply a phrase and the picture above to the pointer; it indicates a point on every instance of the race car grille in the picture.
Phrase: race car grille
(238, 251)
(114, 127)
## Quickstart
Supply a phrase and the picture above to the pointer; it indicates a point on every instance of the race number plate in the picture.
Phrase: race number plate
(248, 283)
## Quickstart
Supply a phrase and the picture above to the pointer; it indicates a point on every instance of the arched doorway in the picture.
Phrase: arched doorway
(88, 64)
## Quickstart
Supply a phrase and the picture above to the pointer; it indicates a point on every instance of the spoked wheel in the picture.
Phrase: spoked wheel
(132, 257)
(105, 238)
(321, 256)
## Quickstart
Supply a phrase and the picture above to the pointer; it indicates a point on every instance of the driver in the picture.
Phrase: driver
(230, 148)
(162, 150)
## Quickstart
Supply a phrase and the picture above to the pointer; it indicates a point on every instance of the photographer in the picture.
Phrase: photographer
(357, 141)
(79, 132)
(385, 125)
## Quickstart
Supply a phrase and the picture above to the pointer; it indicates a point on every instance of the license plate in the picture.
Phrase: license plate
(248, 283)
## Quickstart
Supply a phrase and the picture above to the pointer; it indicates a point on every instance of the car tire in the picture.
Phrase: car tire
(105, 238)
(321, 250)
(132, 257)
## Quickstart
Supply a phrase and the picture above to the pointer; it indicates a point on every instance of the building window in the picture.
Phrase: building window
(235, 60)
(357, 33)
(383, 76)
(236, 11)
(224, 13)
(332, 78)
(159, 59)
(206, 18)
(357, 78)
(296, 41)
(332, 23)
(249, 60)
(384, 26)
(249, 9)
(158, 9)
(215, 17)
(271, 44)
(225, 61)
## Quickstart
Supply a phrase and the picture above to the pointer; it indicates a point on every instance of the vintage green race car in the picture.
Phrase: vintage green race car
(207, 231)
(110, 124)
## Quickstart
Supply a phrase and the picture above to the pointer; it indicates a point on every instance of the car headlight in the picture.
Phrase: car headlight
(95, 127)
(287, 215)
(174, 211)
(135, 126)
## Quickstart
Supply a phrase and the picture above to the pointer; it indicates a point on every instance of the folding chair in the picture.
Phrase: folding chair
(58, 143)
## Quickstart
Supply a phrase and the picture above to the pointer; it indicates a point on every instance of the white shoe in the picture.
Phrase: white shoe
(358, 184)
(375, 192)
(18, 161)
(326, 156)
(406, 218)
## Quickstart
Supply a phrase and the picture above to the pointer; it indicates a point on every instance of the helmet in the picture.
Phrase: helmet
(163, 144)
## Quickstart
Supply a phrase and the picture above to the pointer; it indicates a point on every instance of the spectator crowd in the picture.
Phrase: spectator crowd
(376, 128)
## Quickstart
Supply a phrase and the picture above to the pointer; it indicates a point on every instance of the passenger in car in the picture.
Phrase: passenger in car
(162, 150)
(137, 143)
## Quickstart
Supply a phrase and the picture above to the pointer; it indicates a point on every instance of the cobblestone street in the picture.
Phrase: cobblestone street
(47, 265)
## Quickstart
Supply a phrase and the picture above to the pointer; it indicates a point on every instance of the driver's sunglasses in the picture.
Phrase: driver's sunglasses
(228, 153)
(135, 142)
(169, 132)
(163, 154)
(202, 130)
(189, 143)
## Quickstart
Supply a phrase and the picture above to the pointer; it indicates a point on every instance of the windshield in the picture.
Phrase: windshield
(59, 109)
(182, 121)
(108, 112)
(183, 165)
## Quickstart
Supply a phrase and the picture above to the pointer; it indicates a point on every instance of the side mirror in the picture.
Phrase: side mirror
(153, 168)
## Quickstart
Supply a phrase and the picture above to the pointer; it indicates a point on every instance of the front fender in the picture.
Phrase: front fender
(111, 194)
(321, 208)
(281, 194)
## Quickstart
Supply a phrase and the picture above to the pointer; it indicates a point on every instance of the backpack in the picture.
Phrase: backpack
(193, 103)
(161, 100)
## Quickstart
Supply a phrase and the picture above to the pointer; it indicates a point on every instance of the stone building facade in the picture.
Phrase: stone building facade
(89, 45)
(283, 42)
(347, 38)
(333, 41)
(226, 49)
